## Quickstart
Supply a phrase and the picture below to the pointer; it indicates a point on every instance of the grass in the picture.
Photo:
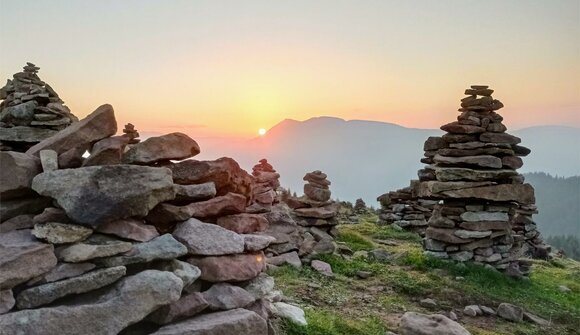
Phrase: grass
(348, 305)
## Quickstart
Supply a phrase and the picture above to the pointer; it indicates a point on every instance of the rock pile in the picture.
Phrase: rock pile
(403, 209)
(486, 208)
(30, 112)
(132, 242)
(265, 187)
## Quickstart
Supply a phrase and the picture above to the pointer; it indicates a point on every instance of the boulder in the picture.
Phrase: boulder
(174, 146)
(16, 173)
(322, 267)
(99, 124)
(291, 313)
(230, 268)
(187, 306)
(236, 321)
(99, 194)
(510, 312)
(208, 239)
(60, 233)
(244, 223)
(223, 296)
(47, 293)
(422, 324)
(131, 229)
(23, 258)
(108, 314)
(225, 173)
(164, 247)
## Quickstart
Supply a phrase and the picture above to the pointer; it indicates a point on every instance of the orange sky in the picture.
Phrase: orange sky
(223, 68)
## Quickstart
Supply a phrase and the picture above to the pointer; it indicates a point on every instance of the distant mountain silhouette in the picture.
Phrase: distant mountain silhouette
(368, 158)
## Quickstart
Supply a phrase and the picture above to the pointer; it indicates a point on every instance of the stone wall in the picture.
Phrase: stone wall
(403, 209)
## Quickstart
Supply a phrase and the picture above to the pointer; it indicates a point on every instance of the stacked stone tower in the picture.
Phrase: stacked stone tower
(30, 112)
(266, 182)
(485, 208)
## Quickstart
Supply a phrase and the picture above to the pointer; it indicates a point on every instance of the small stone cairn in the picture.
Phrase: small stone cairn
(265, 187)
(31, 111)
(141, 240)
(485, 208)
(401, 208)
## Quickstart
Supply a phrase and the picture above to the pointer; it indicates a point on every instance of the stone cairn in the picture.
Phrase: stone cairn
(133, 242)
(265, 187)
(485, 208)
(402, 209)
(31, 111)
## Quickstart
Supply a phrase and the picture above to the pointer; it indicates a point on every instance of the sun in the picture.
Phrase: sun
(262, 131)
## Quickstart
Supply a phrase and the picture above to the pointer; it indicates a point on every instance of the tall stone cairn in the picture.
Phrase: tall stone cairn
(31, 111)
(266, 184)
(403, 209)
(485, 210)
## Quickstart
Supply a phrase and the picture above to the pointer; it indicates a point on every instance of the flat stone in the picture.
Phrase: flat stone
(230, 203)
(47, 293)
(499, 138)
(81, 252)
(143, 292)
(26, 134)
(434, 143)
(194, 192)
(470, 234)
(223, 296)
(188, 273)
(512, 162)
(291, 313)
(290, 258)
(174, 146)
(62, 271)
(536, 319)
(316, 193)
(236, 321)
(6, 301)
(229, 268)
(99, 124)
(445, 235)
(187, 306)
(23, 258)
(208, 239)
(131, 229)
(61, 233)
(487, 310)
(99, 194)
(521, 193)
(17, 223)
(48, 160)
(484, 216)
(317, 212)
(254, 242)
(429, 188)
(461, 256)
(487, 161)
(422, 324)
(457, 128)
(456, 174)
(244, 223)
(485, 225)
(260, 286)
(510, 312)
(16, 173)
(164, 247)
(428, 303)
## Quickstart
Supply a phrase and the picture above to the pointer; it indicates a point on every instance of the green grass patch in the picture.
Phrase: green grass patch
(321, 322)
(355, 240)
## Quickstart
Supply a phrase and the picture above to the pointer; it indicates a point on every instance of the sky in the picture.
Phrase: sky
(228, 68)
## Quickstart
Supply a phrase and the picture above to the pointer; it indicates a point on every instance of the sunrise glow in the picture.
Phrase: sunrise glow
(261, 131)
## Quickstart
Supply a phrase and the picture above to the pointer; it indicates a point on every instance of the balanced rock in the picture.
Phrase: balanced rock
(98, 194)
(174, 146)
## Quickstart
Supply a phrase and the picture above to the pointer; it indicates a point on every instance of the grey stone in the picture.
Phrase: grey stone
(81, 252)
(253, 242)
(23, 258)
(208, 239)
(108, 314)
(536, 319)
(60, 233)
(322, 267)
(487, 310)
(188, 273)
(16, 173)
(236, 321)
(484, 216)
(292, 313)
(486, 161)
(6, 301)
(421, 324)
(16, 223)
(48, 160)
(510, 312)
(26, 134)
(468, 234)
(461, 256)
(164, 247)
(187, 306)
(260, 286)
(174, 146)
(47, 293)
(472, 310)
(98, 194)
(62, 271)
(428, 303)
(223, 296)
(99, 124)
(290, 258)
(131, 229)
(194, 192)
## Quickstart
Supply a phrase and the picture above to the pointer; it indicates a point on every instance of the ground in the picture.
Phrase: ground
(346, 304)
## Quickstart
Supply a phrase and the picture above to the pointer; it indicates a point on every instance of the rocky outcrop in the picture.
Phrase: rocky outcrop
(31, 111)
(485, 210)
